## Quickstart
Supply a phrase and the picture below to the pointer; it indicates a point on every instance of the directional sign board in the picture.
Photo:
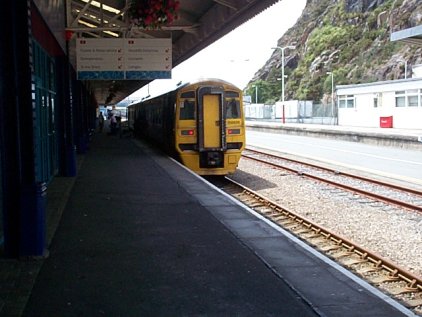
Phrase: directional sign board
(131, 59)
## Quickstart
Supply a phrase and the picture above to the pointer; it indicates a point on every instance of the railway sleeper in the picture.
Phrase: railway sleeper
(341, 255)
(353, 261)
(294, 228)
(314, 235)
(317, 239)
(254, 204)
(413, 303)
(404, 290)
(291, 225)
(280, 218)
(266, 210)
(286, 222)
(304, 231)
(268, 213)
(385, 279)
(238, 194)
(368, 269)
(331, 247)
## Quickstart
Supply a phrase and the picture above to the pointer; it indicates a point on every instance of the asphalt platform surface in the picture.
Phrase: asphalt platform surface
(139, 235)
(133, 242)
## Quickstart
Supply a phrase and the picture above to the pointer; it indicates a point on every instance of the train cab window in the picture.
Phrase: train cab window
(187, 110)
(232, 109)
(188, 94)
(231, 94)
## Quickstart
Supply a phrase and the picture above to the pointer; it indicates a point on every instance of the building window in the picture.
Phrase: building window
(375, 102)
(412, 98)
(409, 98)
(400, 102)
(400, 99)
(346, 101)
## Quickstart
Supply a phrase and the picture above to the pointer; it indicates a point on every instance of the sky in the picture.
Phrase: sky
(237, 56)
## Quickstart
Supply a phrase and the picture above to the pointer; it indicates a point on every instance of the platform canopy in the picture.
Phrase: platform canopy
(410, 36)
(199, 23)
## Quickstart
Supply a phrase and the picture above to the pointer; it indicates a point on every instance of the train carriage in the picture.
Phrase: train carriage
(201, 123)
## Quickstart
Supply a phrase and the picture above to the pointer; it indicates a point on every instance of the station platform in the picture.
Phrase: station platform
(136, 234)
(402, 138)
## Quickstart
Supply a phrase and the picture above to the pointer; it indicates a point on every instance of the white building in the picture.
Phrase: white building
(386, 104)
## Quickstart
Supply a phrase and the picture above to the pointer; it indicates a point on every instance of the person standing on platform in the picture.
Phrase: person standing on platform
(113, 125)
(100, 122)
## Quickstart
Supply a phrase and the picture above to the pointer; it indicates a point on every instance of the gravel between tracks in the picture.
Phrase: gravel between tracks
(393, 233)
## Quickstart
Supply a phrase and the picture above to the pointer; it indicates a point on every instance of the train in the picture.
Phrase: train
(200, 123)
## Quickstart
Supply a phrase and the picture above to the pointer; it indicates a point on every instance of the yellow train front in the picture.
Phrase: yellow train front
(210, 127)
(207, 122)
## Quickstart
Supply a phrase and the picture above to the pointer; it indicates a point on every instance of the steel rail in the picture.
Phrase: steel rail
(414, 283)
(343, 186)
(370, 180)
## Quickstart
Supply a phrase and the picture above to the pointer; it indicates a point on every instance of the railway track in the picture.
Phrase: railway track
(373, 189)
(390, 278)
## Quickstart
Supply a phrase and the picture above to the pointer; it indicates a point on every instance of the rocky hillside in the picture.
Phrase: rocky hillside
(350, 38)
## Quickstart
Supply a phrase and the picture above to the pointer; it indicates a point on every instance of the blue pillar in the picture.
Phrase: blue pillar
(71, 169)
(23, 205)
(33, 221)
(67, 149)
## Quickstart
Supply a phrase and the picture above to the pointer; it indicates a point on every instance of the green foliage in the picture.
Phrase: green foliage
(384, 52)
(397, 3)
(364, 43)
(266, 91)
(309, 89)
(327, 37)
(340, 75)
(361, 45)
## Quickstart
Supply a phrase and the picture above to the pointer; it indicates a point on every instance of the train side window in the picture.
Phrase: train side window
(232, 109)
(187, 110)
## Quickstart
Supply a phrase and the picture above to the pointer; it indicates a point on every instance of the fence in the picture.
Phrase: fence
(293, 111)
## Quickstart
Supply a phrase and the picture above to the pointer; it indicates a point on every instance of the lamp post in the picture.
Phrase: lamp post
(405, 67)
(282, 73)
(256, 93)
(332, 93)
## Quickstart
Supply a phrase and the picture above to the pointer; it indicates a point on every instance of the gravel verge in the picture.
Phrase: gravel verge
(393, 233)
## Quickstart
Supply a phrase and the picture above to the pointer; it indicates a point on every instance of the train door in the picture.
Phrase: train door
(211, 127)
(211, 106)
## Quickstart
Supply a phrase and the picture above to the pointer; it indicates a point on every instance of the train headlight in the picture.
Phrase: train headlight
(233, 131)
(188, 132)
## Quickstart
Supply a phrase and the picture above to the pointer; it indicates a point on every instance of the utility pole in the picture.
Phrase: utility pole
(282, 74)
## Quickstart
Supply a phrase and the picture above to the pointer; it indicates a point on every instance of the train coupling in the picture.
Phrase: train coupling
(211, 159)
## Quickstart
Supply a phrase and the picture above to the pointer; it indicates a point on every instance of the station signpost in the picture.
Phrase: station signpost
(123, 59)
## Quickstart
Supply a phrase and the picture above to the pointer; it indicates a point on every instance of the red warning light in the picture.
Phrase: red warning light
(233, 131)
(68, 35)
(188, 132)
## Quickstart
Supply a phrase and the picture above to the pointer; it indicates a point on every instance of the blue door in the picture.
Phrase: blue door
(44, 115)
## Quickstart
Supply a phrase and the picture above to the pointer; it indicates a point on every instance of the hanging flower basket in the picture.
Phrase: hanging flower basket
(152, 14)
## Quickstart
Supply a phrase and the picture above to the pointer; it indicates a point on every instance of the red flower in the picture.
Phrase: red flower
(148, 20)
(153, 13)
